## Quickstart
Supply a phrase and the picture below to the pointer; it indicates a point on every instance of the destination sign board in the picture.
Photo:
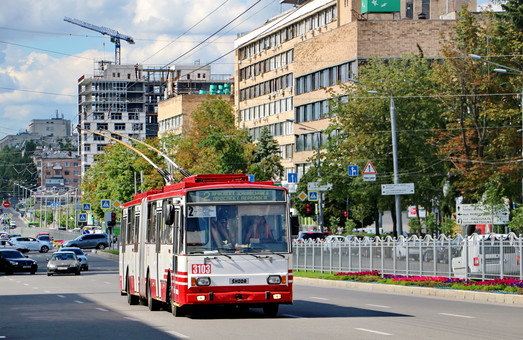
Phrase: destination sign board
(240, 195)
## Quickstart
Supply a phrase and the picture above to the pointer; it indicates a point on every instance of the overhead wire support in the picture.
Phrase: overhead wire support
(169, 178)
(184, 172)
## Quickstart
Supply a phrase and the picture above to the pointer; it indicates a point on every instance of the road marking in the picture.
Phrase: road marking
(108, 283)
(292, 316)
(379, 306)
(458, 315)
(180, 335)
(371, 331)
(78, 301)
(62, 296)
(26, 284)
(2, 336)
(102, 309)
(318, 298)
(35, 288)
(129, 318)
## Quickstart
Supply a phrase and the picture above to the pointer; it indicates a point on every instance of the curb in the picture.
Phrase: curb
(454, 294)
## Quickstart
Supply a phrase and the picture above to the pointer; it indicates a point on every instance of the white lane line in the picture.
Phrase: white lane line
(78, 301)
(47, 291)
(129, 318)
(26, 284)
(318, 298)
(372, 331)
(2, 336)
(379, 306)
(108, 283)
(179, 335)
(292, 316)
(458, 315)
(35, 288)
(102, 309)
(61, 296)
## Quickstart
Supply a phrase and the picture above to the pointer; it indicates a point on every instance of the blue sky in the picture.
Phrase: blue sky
(42, 56)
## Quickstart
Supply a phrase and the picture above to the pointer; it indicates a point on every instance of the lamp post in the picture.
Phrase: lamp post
(320, 195)
(504, 69)
(397, 198)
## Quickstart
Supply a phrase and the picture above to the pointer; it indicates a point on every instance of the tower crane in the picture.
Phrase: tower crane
(115, 35)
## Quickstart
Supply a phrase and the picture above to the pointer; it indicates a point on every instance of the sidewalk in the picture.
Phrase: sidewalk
(454, 294)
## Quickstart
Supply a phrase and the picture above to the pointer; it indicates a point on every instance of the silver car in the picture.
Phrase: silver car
(32, 243)
(84, 263)
(63, 262)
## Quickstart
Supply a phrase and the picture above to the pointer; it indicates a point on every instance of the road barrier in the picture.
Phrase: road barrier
(474, 257)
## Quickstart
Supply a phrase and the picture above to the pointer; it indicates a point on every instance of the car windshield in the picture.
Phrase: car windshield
(77, 251)
(236, 229)
(12, 254)
(63, 256)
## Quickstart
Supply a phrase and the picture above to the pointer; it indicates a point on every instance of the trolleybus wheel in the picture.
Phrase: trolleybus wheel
(177, 310)
(271, 309)
(151, 303)
(131, 299)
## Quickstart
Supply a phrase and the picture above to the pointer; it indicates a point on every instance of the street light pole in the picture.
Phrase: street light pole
(503, 69)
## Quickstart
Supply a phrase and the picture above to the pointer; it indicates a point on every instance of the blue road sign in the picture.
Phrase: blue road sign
(87, 206)
(292, 177)
(82, 217)
(353, 170)
(313, 195)
(106, 204)
(251, 178)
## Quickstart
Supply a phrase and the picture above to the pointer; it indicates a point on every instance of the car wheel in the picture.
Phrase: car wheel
(33, 272)
(44, 249)
(101, 246)
(86, 268)
(78, 272)
(8, 272)
(49, 274)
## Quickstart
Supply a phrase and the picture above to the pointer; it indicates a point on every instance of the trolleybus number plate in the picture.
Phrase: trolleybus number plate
(238, 281)
(201, 268)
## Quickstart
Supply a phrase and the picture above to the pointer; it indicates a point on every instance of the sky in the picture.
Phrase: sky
(42, 56)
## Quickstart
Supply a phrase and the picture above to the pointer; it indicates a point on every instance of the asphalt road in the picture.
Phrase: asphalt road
(90, 306)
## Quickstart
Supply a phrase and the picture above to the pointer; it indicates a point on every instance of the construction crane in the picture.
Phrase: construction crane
(115, 35)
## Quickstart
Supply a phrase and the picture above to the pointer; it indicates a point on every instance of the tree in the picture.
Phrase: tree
(211, 142)
(266, 164)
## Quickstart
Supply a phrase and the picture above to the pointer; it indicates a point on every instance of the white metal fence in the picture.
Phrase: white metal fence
(474, 257)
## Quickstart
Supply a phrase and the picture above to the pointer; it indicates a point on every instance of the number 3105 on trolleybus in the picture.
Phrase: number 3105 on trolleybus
(209, 239)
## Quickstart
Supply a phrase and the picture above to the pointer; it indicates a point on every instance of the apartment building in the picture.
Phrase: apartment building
(118, 98)
(284, 67)
(58, 170)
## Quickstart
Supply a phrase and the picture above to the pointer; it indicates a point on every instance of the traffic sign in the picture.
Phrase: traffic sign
(353, 170)
(314, 186)
(369, 177)
(313, 196)
(480, 214)
(292, 177)
(117, 204)
(6, 204)
(251, 178)
(369, 169)
(87, 207)
(82, 217)
(397, 189)
(302, 196)
(106, 204)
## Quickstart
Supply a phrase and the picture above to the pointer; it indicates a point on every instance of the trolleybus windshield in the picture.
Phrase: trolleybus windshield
(236, 228)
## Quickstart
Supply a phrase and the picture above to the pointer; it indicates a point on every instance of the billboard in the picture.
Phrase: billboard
(380, 6)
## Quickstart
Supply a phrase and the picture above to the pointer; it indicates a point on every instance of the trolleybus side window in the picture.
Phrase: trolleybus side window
(151, 222)
(130, 226)
(166, 231)
(159, 223)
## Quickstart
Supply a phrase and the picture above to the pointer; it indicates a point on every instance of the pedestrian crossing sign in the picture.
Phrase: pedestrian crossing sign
(369, 169)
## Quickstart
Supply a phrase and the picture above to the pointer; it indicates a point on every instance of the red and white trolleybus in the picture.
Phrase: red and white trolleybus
(209, 239)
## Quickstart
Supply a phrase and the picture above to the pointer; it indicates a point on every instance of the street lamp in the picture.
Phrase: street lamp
(503, 69)
(320, 195)
(397, 198)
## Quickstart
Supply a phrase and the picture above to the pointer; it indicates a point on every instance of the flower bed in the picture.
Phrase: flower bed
(507, 285)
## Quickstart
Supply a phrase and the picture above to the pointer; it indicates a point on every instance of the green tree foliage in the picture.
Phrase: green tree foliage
(363, 133)
(480, 138)
(266, 164)
(16, 167)
(211, 142)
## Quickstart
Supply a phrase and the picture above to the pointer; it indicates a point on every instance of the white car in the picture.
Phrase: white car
(6, 244)
(32, 243)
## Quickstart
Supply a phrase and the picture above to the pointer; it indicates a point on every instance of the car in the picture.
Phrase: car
(84, 263)
(44, 234)
(63, 262)
(89, 241)
(32, 243)
(12, 225)
(6, 244)
(11, 261)
(45, 238)
(310, 235)
(335, 238)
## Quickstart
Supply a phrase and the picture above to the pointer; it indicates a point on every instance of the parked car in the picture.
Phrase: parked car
(310, 235)
(63, 262)
(12, 225)
(442, 252)
(12, 261)
(6, 244)
(84, 263)
(32, 243)
(89, 241)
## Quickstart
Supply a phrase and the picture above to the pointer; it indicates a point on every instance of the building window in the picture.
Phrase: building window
(87, 126)
(98, 116)
(134, 115)
(137, 127)
(102, 126)
(98, 137)
(119, 126)
(100, 147)
(87, 147)
(116, 116)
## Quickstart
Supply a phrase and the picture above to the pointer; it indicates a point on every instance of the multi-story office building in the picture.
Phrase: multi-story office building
(54, 127)
(119, 98)
(284, 67)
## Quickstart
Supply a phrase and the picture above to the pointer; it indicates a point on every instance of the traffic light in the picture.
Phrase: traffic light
(112, 220)
(309, 211)
(345, 214)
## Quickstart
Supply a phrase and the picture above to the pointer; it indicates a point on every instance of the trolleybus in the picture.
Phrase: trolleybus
(209, 239)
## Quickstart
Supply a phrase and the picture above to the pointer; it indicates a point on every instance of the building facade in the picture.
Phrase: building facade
(285, 67)
(58, 170)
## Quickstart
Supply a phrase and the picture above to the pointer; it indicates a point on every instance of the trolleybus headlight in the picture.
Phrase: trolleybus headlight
(274, 279)
(203, 281)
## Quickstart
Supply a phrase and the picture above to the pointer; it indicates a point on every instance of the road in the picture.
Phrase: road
(90, 306)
